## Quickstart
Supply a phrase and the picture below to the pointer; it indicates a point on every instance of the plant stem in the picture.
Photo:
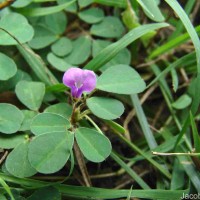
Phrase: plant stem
(82, 165)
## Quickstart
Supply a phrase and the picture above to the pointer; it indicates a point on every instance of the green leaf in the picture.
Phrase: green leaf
(105, 108)
(110, 27)
(49, 122)
(10, 118)
(178, 174)
(94, 146)
(46, 193)
(182, 102)
(193, 91)
(6, 188)
(84, 3)
(18, 26)
(58, 63)
(8, 67)
(12, 82)
(28, 116)
(56, 22)
(2, 197)
(81, 51)
(172, 44)
(123, 57)
(43, 37)
(195, 133)
(151, 9)
(98, 46)
(112, 50)
(52, 157)
(189, 27)
(72, 8)
(62, 109)
(62, 47)
(82, 192)
(30, 93)
(17, 162)
(37, 65)
(92, 15)
(175, 80)
(11, 141)
(121, 79)
(149, 136)
(35, 12)
(118, 3)
(60, 87)
(115, 126)
(21, 3)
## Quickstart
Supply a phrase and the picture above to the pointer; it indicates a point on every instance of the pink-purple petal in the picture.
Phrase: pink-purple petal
(89, 83)
(71, 76)
(79, 81)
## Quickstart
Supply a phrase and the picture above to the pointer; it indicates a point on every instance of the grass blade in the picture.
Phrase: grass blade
(118, 3)
(143, 122)
(189, 27)
(36, 12)
(172, 44)
(97, 193)
(37, 65)
(109, 52)
(132, 173)
(185, 60)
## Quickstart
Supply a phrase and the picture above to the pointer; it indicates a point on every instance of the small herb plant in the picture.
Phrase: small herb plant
(96, 90)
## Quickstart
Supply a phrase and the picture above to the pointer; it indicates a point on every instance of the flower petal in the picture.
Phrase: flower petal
(89, 82)
(73, 75)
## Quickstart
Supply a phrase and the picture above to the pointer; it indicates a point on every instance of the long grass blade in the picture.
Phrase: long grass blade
(97, 193)
(112, 50)
(189, 27)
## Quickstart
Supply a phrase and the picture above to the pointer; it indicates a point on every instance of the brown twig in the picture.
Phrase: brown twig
(82, 165)
(6, 3)
(3, 157)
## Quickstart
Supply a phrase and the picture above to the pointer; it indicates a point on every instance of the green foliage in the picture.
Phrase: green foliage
(11, 141)
(21, 3)
(46, 193)
(17, 25)
(92, 15)
(58, 63)
(62, 47)
(105, 108)
(50, 158)
(110, 27)
(196, 137)
(125, 80)
(45, 130)
(49, 122)
(182, 102)
(56, 22)
(8, 67)
(151, 9)
(80, 52)
(62, 109)
(94, 146)
(10, 118)
(112, 50)
(84, 3)
(17, 162)
(35, 12)
(43, 37)
(30, 94)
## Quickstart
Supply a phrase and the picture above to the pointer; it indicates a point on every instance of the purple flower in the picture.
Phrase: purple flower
(79, 81)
